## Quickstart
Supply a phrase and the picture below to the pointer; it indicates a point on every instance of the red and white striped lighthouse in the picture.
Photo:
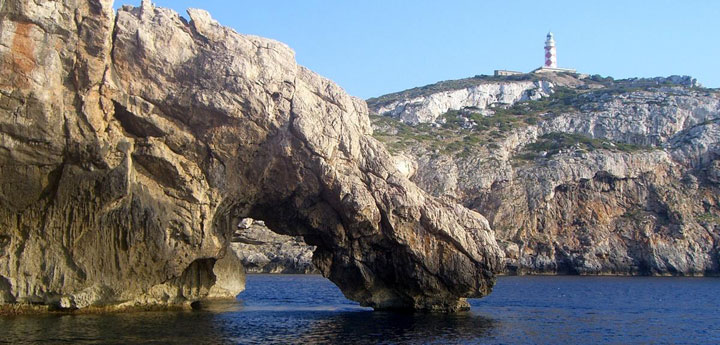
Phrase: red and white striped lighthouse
(550, 52)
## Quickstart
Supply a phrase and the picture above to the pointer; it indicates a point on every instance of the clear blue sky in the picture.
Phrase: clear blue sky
(374, 47)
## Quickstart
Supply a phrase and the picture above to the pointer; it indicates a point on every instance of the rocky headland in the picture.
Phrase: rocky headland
(133, 143)
(594, 176)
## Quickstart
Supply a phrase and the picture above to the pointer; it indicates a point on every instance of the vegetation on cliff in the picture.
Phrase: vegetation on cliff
(602, 176)
(465, 130)
(551, 144)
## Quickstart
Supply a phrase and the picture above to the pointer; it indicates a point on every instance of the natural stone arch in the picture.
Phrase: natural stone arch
(173, 132)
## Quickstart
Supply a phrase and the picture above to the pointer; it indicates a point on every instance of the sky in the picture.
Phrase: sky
(375, 47)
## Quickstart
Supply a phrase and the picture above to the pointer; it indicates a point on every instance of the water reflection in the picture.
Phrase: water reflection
(310, 310)
(394, 328)
(249, 322)
(317, 324)
(122, 328)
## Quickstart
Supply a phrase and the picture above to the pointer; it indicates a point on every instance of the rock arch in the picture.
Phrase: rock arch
(149, 138)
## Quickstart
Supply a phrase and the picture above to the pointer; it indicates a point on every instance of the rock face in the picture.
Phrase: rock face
(427, 107)
(132, 144)
(652, 208)
(262, 251)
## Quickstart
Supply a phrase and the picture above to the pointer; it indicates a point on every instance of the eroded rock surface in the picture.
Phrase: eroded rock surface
(132, 144)
(426, 107)
(616, 177)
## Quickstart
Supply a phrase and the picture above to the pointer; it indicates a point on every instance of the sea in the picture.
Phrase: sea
(309, 309)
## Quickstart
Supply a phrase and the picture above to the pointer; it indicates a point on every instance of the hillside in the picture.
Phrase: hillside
(583, 175)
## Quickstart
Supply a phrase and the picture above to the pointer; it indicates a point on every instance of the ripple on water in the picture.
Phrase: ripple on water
(309, 309)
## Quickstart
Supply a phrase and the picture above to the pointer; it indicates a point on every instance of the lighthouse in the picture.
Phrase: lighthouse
(550, 65)
(550, 51)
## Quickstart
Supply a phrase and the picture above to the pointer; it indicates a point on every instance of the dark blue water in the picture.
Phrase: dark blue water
(296, 309)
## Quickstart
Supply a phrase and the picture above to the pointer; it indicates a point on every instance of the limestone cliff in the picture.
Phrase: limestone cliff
(420, 106)
(600, 177)
(133, 143)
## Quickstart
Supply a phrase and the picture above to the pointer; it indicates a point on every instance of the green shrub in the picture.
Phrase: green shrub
(708, 217)
(553, 143)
